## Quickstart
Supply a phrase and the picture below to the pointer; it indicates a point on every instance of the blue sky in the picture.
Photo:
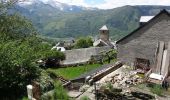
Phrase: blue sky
(108, 4)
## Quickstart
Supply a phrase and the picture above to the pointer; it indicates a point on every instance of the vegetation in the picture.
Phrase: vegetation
(84, 42)
(20, 49)
(73, 72)
(156, 89)
(55, 23)
(109, 56)
(59, 92)
(85, 98)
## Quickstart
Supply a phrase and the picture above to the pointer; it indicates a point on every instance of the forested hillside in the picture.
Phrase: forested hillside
(53, 22)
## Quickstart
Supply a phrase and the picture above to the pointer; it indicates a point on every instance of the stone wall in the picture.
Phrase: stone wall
(79, 56)
(143, 43)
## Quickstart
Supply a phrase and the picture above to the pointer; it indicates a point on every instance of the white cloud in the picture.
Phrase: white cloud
(74, 2)
(116, 3)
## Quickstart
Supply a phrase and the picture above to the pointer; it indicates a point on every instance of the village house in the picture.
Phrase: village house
(149, 44)
(142, 42)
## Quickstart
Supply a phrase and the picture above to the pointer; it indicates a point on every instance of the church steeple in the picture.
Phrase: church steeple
(104, 33)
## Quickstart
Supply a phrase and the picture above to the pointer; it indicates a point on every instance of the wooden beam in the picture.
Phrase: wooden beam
(160, 57)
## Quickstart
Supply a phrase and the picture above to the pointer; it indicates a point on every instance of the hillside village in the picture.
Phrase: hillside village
(134, 67)
(140, 71)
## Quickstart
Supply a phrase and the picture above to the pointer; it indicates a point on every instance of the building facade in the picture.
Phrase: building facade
(142, 42)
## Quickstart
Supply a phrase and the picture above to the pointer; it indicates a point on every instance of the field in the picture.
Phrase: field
(73, 72)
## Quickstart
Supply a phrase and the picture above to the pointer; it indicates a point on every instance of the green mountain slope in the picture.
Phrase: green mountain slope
(52, 22)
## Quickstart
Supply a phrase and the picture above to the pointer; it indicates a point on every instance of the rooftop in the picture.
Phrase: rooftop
(145, 18)
(104, 28)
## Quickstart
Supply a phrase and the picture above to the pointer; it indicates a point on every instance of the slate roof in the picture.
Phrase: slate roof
(145, 18)
(140, 27)
(104, 28)
(100, 41)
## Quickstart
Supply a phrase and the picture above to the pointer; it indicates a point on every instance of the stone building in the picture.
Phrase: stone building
(142, 42)
(104, 39)
(83, 55)
(104, 33)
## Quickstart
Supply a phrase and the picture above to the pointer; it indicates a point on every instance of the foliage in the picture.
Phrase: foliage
(15, 27)
(20, 50)
(12, 25)
(25, 98)
(156, 89)
(84, 42)
(59, 92)
(16, 65)
(109, 56)
(18, 62)
(45, 81)
(85, 98)
(89, 41)
(109, 86)
(73, 72)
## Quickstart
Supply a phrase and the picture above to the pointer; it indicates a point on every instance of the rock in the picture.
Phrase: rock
(84, 88)
(74, 94)
(90, 90)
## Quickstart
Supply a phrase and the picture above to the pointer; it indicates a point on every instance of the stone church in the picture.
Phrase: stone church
(104, 39)
(142, 42)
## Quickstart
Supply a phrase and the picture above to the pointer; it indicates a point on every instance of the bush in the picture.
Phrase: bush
(20, 49)
(18, 64)
(59, 92)
(84, 42)
(45, 81)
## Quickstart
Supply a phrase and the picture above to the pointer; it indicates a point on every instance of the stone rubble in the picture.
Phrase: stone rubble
(122, 77)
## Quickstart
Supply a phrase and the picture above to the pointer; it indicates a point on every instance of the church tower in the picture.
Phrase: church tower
(104, 34)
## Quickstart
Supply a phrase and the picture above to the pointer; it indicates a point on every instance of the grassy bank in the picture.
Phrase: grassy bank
(73, 72)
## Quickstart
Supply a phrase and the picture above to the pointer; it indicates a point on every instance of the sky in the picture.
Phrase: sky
(108, 4)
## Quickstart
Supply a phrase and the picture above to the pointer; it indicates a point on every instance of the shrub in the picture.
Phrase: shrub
(18, 64)
(59, 92)
(84, 42)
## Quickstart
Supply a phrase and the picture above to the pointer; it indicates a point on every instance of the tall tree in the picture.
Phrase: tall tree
(19, 51)
(13, 26)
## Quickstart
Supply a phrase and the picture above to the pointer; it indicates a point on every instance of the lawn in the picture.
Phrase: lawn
(73, 72)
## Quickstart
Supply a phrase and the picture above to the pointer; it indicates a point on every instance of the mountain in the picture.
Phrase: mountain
(54, 19)
(31, 4)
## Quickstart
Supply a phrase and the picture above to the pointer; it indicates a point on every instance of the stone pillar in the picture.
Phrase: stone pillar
(29, 92)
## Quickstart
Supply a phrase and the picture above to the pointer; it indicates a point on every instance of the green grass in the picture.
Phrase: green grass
(73, 72)
(156, 89)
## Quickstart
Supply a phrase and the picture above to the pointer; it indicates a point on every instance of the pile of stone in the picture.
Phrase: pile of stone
(126, 79)
(122, 78)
